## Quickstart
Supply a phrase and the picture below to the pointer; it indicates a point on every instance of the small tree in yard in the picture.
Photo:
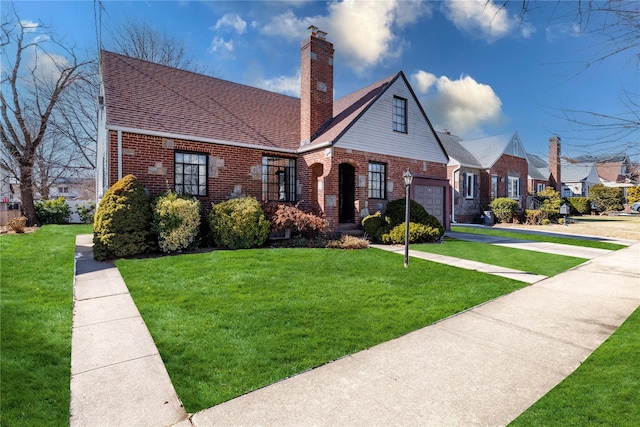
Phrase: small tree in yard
(550, 203)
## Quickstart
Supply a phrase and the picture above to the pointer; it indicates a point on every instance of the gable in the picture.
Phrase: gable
(489, 149)
(372, 130)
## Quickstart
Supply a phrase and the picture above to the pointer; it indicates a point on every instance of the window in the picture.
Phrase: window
(63, 189)
(494, 186)
(278, 179)
(377, 180)
(399, 114)
(513, 187)
(540, 187)
(470, 184)
(190, 173)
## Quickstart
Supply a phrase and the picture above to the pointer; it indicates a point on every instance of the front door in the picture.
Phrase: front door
(347, 194)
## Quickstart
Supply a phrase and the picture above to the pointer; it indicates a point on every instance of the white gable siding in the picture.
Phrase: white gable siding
(373, 132)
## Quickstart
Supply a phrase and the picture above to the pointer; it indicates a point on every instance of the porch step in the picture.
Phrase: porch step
(350, 229)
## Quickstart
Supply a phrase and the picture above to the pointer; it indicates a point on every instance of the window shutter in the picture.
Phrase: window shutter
(464, 185)
(476, 185)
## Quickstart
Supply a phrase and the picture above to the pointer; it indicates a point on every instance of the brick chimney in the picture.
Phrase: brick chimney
(316, 79)
(555, 180)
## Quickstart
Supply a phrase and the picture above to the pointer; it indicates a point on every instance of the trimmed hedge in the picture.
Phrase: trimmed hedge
(504, 208)
(238, 224)
(418, 233)
(606, 199)
(579, 205)
(55, 211)
(377, 225)
(122, 226)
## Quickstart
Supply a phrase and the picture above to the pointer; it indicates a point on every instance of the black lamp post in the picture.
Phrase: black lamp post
(408, 178)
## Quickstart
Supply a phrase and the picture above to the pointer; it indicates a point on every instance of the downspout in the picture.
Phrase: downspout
(119, 155)
(453, 195)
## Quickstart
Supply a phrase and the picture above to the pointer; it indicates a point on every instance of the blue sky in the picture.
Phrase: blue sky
(478, 70)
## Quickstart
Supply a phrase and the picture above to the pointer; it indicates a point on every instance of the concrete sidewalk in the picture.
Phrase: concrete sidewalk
(117, 375)
(481, 367)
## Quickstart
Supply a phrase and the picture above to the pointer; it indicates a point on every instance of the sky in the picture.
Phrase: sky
(478, 69)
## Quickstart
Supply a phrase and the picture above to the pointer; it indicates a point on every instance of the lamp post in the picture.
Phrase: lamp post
(408, 178)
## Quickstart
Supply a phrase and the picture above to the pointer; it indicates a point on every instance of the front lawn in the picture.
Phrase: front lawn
(36, 307)
(228, 322)
(603, 391)
(585, 242)
(519, 259)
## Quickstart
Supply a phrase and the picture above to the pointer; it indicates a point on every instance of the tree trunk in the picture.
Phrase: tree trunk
(26, 195)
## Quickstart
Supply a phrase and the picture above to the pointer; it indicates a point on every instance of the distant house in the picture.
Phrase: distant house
(578, 178)
(215, 139)
(484, 169)
(73, 189)
(538, 174)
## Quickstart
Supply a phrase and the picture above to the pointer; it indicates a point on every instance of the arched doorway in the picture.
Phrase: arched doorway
(347, 192)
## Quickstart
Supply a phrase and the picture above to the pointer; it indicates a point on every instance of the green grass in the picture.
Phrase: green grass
(228, 322)
(36, 297)
(539, 237)
(603, 391)
(518, 259)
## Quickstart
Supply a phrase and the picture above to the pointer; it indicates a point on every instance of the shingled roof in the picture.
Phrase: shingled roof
(150, 97)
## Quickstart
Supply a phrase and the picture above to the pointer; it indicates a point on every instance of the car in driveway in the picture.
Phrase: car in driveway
(636, 207)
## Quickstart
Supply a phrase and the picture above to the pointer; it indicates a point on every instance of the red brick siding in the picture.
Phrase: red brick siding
(316, 106)
(505, 166)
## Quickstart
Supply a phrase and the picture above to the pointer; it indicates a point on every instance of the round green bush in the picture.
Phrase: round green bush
(418, 233)
(176, 219)
(122, 225)
(396, 210)
(55, 211)
(372, 224)
(238, 224)
(504, 208)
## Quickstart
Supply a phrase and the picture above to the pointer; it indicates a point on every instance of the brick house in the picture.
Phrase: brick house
(215, 139)
(483, 169)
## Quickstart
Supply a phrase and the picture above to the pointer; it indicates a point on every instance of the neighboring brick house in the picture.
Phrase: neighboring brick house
(177, 130)
(483, 169)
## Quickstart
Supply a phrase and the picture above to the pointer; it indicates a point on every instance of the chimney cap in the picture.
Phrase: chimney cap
(316, 32)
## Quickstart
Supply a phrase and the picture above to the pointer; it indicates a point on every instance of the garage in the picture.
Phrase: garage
(432, 198)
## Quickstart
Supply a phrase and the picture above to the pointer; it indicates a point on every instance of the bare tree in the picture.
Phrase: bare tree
(140, 40)
(616, 24)
(34, 78)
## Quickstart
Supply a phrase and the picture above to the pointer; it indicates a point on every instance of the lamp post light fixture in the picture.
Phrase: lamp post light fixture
(408, 178)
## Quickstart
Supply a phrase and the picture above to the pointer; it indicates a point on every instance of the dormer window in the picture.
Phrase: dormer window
(399, 114)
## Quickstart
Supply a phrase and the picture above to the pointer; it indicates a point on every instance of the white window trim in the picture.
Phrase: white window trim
(469, 185)
(510, 186)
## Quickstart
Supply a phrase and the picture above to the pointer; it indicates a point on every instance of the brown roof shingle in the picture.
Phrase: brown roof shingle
(152, 97)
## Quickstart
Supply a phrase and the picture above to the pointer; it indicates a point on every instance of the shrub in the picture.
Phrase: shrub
(348, 242)
(533, 216)
(550, 203)
(238, 223)
(418, 233)
(375, 226)
(395, 214)
(176, 220)
(283, 216)
(122, 224)
(606, 199)
(17, 224)
(53, 211)
(86, 212)
(504, 208)
(633, 194)
(579, 205)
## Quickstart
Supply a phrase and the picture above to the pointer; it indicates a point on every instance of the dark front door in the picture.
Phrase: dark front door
(347, 194)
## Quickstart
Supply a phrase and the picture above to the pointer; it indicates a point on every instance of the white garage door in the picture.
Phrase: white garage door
(432, 198)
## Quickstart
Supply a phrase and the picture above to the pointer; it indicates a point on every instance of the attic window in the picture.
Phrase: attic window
(399, 114)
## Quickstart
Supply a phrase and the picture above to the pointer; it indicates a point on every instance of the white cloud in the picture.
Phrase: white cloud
(555, 32)
(29, 26)
(423, 80)
(289, 85)
(231, 21)
(485, 19)
(365, 29)
(47, 67)
(462, 105)
(218, 44)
